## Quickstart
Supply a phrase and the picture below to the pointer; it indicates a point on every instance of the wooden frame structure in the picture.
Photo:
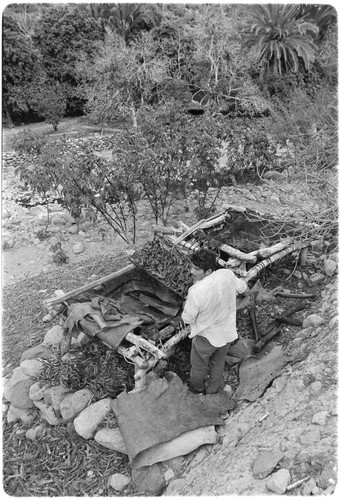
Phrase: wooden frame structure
(145, 354)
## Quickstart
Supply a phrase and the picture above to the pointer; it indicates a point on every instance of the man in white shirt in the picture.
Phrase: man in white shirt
(210, 309)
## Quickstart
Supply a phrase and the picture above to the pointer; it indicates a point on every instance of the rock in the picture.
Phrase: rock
(316, 278)
(54, 335)
(6, 214)
(242, 349)
(310, 437)
(32, 367)
(60, 218)
(73, 229)
(38, 351)
(265, 463)
(112, 439)
(47, 412)
(315, 387)
(274, 175)
(54, 396)
(250, 196)
(314, 320)
(320, 418)
(25, 415)
(73, 404)
(20, 394)
(228, 389)
(168, 475)
(174, 488)
(330, 267)
(37, 391)
(9, 384)
(148, 480)
(177, 464)
(81, 340)
(119, 481)
(78, 247)
(306, 488)
(35, 433)
(88, 420)
(48, 317)
(333, 322)
(278, 481)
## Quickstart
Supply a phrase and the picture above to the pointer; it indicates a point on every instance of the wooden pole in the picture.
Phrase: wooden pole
(267, 252)
(254, 271)
(48, 303)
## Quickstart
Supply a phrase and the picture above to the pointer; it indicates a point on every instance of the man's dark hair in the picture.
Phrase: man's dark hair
(204, 259)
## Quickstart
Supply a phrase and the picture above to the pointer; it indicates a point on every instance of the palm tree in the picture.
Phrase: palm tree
(280, 39)
(125, 17)
(324, 16)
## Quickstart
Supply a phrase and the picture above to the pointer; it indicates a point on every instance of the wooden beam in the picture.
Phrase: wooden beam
(48, 303)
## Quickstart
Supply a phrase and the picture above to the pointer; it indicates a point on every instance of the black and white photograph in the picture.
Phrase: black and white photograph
(169, 249)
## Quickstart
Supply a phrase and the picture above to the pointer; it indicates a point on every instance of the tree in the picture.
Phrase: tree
(81, 179)
(281, 40)
(49, 102)
(123, 79)
(127, 18)
(220, 69)
(62, 36)
(20, 65)
(324, 16)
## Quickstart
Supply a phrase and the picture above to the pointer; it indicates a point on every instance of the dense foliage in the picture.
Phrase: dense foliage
(210, 94)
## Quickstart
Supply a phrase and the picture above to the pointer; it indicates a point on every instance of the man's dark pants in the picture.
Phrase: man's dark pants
(202, 352)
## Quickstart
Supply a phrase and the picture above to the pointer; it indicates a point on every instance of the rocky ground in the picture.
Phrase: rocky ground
(265, 447)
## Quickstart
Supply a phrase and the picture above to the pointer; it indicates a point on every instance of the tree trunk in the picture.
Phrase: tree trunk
(8, 115)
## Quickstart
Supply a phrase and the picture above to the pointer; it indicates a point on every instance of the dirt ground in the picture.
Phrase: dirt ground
(291, 402)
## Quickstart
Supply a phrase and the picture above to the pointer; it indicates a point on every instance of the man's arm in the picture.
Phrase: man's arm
(190, 311)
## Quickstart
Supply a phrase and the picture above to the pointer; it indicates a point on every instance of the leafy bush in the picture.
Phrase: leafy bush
(28, 142)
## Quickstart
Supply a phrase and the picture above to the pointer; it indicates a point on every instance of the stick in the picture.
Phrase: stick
(215, 220)
(297, 483)
(261, 343)
(144, 344)
(237, 254)
(193, 247)
(188, 231)
(166, 230)
(73, 293)
(288, 295)
(254, 322)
